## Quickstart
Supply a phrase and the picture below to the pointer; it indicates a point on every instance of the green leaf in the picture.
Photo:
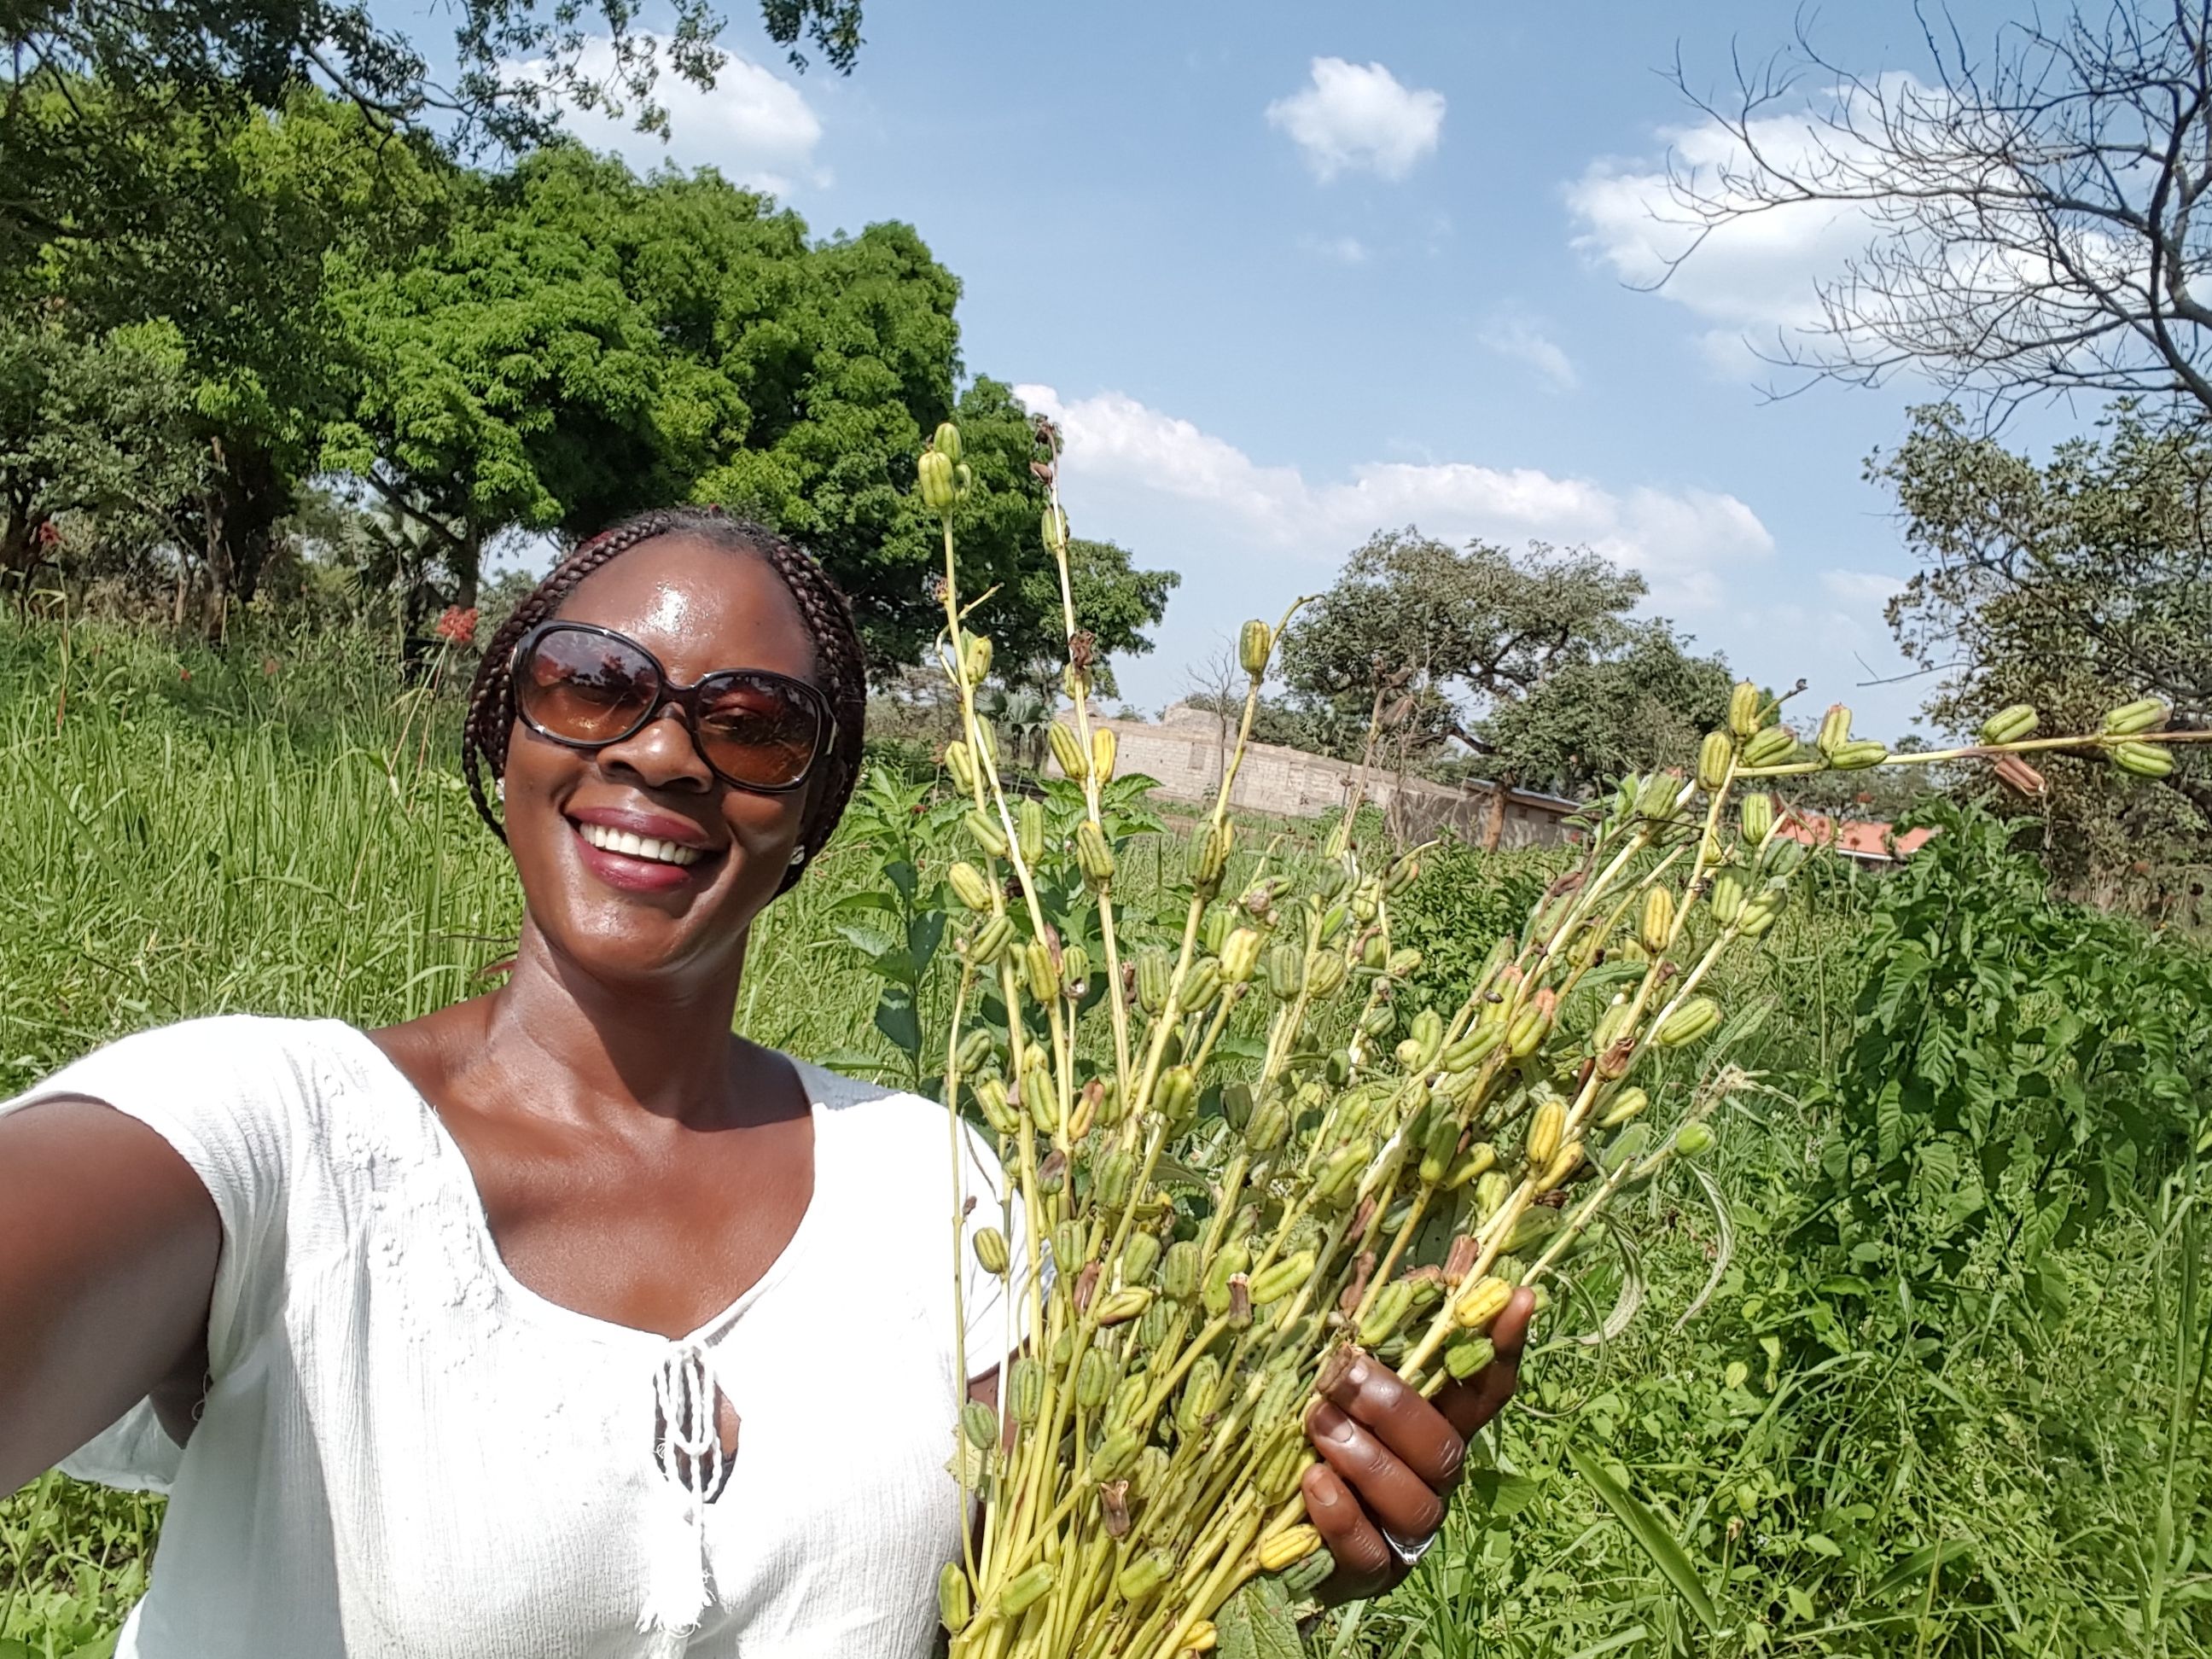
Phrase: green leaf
(896, 1019)
(1257, 1623)
(1914, 1569)
(1651, 1534)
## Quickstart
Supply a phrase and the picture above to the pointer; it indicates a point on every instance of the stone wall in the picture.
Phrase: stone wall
(1185, 751)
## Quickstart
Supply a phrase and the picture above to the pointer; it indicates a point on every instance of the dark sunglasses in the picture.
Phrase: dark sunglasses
(586, 687)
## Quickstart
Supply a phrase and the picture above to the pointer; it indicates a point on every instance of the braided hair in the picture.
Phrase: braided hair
(839, 662)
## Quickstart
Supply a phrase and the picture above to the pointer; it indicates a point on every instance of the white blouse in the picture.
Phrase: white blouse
(404, 1451)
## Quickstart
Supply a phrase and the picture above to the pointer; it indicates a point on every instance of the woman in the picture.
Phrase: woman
(562, 1321)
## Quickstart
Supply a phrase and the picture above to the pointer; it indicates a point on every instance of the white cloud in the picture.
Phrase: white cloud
(1524, 342)
(758, 130)
(1682, 541)
(1867, 589)
(1356, 115)
(1344, 250)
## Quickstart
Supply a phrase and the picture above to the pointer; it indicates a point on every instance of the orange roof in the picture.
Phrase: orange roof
(1877, 843)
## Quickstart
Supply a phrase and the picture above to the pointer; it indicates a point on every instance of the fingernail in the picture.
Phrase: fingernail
(1331, 1424)
(1356, 1377)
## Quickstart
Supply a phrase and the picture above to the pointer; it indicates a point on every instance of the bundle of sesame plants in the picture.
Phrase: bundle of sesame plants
(1235, 1149)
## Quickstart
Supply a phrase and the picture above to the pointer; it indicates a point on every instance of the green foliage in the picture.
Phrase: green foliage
(1467, 900)
(1639, 706)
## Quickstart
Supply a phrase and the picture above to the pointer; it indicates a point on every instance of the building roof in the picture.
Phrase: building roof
(1871, 843)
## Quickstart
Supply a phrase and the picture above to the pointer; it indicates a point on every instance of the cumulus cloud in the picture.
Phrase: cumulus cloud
(1355, 117)
(758, 130)
(1683, 541)
(1866, 590)
(1524, 342)
(1343, 249)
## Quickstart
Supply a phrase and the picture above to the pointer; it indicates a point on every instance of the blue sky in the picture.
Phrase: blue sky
(1293, 273)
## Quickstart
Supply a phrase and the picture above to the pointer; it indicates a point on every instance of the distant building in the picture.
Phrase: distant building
(1184, 749)
(1871, 844)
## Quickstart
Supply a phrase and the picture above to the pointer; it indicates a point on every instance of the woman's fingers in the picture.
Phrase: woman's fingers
(1470, 1405)
(1365, 1563)
(1369, 1393)
(1396, 1496)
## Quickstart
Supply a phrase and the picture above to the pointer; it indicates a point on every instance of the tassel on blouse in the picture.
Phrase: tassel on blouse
(688, 1450)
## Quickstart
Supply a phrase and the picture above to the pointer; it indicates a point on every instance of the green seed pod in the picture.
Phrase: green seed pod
(1746, 709)
(991, 1249)
(986, 834)
(1544, 1127)
(1093, 855)
(1339, 1177)
(1727, 897)
(955, 1605)
(939, 488)
(1027, 1389)
(1039, 977)
(1094, 1380)
(1196, 1404)
(1612, 1025)
(1140, 1255)
(1401, 875)
(1213, 928)
(1536, 1224)
(978, 662)
(1475, 1162)
(1693, 1139)
(970, 886)
(1153, 1325)
(1654, 926)
(1438, 1147)
(1471, 1049)
(1116, 1453)
(1176, 1096)
(2142, 760)
(1470, 1354)
(1403, 963)
(980, 1424)
(1386, 1313)
(1180, 1272)
(975, 1048)
(1117, 1170)
(1068, 1251)
(1142, 1577)
(1210, 847)
(1122, 1306)
(1028, 830)
(1857, 754)
(1693, 1019)
(1713, 756)
(1129, 1397)
(1771, 747)
(1280, 1474)
(1075, 971)
(1067, 750)
(1102, 743)
(1835, 729)
(1214, 1290)
(991, 940)
(960, 762)
(1492, 1189)
(1282, 1278)
(1268, 1126)
(1286, 966)
(1758, 817)
(1526, 1031)
(1040, 1098)
(1155, 969)
(1660, 796)
(1236, 1104)
(1030, 1585)
(1201, 985)
(1240, 954)
(1762, 912)
(998, 1111)
(2010, 725)
(1254, 641)
(1624, 1105)
(2144, 714)
(1325, 977)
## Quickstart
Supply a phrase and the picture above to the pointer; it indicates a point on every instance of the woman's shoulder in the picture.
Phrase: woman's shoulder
(893, 1125)
(211, 1051)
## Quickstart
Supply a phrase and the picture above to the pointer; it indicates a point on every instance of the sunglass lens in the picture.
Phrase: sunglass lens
(585, 687)
(757, 730)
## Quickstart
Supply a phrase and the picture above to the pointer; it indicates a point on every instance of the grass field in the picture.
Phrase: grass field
(183, 834)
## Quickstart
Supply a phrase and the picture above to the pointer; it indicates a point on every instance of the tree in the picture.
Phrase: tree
(1642, 706)
(2036, 223)
(2075, 585)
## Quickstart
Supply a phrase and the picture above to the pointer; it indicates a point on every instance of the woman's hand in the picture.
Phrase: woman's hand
(1389, 1458)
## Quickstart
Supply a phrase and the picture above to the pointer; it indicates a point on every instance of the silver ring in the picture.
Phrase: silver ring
(1408, 1554)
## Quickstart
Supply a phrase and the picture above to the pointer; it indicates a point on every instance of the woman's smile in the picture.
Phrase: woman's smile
(642, 851)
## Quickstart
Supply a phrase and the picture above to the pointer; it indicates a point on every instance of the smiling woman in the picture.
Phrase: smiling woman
(521, 1329)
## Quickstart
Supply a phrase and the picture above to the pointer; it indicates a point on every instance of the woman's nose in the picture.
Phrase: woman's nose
(661, 753)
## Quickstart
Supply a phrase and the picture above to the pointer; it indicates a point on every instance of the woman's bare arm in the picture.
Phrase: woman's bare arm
(108, 1245)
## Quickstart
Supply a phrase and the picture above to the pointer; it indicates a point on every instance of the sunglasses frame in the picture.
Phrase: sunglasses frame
(685, 697)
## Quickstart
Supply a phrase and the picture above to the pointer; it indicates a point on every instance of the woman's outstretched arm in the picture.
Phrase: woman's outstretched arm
(108, 1246)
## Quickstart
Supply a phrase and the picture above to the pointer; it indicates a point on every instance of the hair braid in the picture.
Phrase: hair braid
(841, 663)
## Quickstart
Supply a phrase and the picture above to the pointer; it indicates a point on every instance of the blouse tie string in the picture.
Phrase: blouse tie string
(688, 1446)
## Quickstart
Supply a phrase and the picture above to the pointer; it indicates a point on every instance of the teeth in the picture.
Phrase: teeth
(636, 846)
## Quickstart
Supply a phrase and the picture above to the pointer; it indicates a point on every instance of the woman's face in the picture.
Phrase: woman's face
(621, 917)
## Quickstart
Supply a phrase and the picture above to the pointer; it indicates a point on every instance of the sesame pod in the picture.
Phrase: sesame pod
(988, 834)
(1477, 1307)
(1154, 970)
(1214, 1290)
(1028, 830)
(1857, 754)
(960, 761)
(1471, 1048)
(1366, 900)
(1290, 1545)
(1439, 1148)
(1780, 857)
(1269, 1126)
(1464, 1358)
(1201, 985)
(1403, 963)
(1492, 1189)
(2010, 725)
(1692, 1020)
(1068, 1254)
(1325, 976)
(1334, 921)
(1026, 1382)
(1144, 1576)
(1692, 1139)
(955, 1605)
(1030, 1585)
(1176, 1095)
(1544, 1131)
(991, 940)
(1213, 928)
(976, 661)
(1122, 1306)
(1713, 756)
(1761, 912)
(998, 1111)
(1341, 1174)
(1745, 708)
(1117, 1170)
(1040, 1097)
(1565, 1162)
(1254, 641)
(1401, 875)
(1835, 729)
(1040, 978)
(1304, 1577)
(1287, 969)
(1195, 1404)
(1116, 1452)
(1101, 752)
(1625, 1105)
(1067, 750)
(970, 886)
(991, 1249)
(1138, 1257)
(1074, 970)
(1659, 798)
(1654, 926)
(2144, 714)
(1240, 954)
(1181, 1270)
(2142, 760)
(1052, 530)
(980, 1424)
(1282, 1278)
(1093, 855)
(1386, 1313)
(1474, 1162)
(1526, 1032)
(1210, 846)
(1428, 1029)
(1128, 1400)
(1757, 816)
(1612, 1025)
(1771, 747)
(974, 1049)
(1284, 1469)
(1727, 897)
(947, 442)
(933, 472)
(1094, 1380)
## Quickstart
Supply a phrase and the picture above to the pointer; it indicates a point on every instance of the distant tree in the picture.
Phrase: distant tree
(1644, 703)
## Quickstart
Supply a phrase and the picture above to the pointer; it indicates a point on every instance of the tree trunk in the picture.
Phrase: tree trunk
(1493, 832)
(250, 494)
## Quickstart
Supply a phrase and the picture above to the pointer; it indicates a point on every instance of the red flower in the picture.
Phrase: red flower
(457, 626)
(185, 675)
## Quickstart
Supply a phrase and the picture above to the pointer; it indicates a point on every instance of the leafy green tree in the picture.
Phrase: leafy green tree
(1645, 704)
(2074, 585)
